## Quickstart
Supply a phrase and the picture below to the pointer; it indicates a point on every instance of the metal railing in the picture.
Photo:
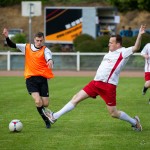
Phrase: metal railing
(67, 61)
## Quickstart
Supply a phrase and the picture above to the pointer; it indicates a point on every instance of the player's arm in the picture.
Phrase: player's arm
(137, 45)
(9, 42)
(145, 56)
(21, 47)
(48, 57)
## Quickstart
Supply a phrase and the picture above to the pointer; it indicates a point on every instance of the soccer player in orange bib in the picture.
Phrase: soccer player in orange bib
(38, 69)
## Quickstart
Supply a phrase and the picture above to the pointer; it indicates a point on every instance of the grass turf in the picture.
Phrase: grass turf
(88, 127)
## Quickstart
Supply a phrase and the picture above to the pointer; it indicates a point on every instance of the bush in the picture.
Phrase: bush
(103, 42)
(145, 40)
(86, 43)
(128, 41)
(88, 46)
(19, 38)
(128, 5)
(56, 48)
(81, 38)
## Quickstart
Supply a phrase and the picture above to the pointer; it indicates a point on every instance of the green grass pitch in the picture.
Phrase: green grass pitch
(87, 127)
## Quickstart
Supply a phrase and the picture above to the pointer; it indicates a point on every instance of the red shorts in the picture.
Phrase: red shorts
(106, 91)
(147, 76)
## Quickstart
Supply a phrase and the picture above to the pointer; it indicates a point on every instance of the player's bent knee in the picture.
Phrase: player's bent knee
(38, 103)
(46, 105)
(114, 114)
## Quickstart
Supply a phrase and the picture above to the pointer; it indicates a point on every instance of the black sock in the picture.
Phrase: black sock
(40, 110)
(145, 89)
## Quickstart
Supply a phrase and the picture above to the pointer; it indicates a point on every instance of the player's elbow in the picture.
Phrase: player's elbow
(135, 48)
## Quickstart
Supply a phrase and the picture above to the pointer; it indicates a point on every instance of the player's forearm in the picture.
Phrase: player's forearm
(10, 43)
(137, 45)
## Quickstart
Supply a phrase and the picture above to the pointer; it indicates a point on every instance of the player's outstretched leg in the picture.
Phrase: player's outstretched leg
(54, 116)
(135, 122)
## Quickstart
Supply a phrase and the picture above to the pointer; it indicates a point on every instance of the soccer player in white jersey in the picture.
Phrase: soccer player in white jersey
(146, 54)
(106, 80)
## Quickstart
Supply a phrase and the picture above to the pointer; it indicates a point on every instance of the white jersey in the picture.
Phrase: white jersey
(47, 52)
(146, 51)
(112, 64)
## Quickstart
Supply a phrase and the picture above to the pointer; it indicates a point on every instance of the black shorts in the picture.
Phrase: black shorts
(37, 84)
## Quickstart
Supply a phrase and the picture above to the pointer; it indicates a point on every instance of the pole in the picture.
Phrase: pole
(30, 21)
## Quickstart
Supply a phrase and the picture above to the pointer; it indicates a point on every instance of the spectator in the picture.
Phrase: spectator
(123, 31)
(129, 32)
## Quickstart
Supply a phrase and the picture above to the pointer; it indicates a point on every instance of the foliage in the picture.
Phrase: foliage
(138, 62)
(122, 5)
(103, 42)
(88, 46)
(127, 5)
(128, 41)
(19, 38)
(5, 3)
(86, 43)
(6, 48)
(56, 48)
(81, 38)
(145, 40)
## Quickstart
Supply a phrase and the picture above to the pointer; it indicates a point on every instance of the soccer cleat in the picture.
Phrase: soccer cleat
(46, 110)
(50, 117)
(138, 126)
(46, 119)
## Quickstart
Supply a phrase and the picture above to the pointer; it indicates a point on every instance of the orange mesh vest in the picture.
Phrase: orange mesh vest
(35, 63)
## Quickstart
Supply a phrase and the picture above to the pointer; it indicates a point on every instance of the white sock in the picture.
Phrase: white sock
(125, 117)
(68, 107)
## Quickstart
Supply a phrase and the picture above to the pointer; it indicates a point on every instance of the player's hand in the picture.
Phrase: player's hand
(5, 32)
(50, 64)
(146, 56)
(142, 29)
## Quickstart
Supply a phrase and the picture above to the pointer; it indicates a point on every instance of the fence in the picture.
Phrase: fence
(68, 61)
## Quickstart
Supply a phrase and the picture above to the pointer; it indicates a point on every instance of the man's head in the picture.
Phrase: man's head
(115, 42)
(38, 39)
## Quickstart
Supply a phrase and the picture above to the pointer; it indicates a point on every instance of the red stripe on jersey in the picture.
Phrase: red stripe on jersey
(147, 61)
(115, 66)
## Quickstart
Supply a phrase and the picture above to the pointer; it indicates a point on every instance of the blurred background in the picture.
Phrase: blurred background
(101, 19)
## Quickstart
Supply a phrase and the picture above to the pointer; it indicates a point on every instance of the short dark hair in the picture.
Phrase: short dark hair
(118, 38)
(39, 34)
